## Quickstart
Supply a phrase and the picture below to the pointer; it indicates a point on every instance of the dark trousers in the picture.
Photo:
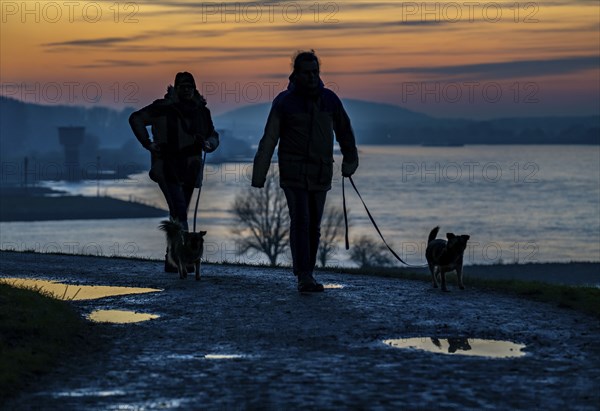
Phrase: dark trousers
(178, 198)
(306, 210)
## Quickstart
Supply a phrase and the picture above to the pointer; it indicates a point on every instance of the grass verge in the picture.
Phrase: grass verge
(584, 299)
(36, 332)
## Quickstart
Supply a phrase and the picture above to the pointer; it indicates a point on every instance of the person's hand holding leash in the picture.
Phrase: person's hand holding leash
(154, 148)
(348, 169)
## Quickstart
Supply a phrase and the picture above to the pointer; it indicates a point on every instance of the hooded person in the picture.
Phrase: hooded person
(182, 129)
(304, 120)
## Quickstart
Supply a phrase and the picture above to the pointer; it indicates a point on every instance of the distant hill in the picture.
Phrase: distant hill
(378, 123)
(31, 129)
(248, 122)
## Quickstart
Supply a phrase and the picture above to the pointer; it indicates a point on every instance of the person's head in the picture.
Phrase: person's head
(306, 70)
(185, 86)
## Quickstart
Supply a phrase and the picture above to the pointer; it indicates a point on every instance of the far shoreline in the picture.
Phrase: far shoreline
(39, 204)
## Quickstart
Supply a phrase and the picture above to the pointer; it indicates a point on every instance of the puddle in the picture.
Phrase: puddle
(184, 357)
(88, 393)
(74, 292)
(224, 356)
(333, 286)
(461, 346)
(195, 357)
(120, 316)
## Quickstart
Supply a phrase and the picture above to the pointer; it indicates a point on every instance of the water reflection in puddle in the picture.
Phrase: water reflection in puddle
(74, 292)
(461, 346)
(333, 286)
(120, 316)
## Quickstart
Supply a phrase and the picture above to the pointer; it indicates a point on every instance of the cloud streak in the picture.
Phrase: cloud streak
(499, 70)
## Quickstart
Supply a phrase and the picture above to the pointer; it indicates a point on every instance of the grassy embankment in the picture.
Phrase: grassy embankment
(584, 299)
(36, 332)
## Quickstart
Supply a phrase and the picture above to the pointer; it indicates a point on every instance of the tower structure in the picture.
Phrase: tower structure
(71, 139)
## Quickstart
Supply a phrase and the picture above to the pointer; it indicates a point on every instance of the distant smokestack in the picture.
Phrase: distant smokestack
(71, 138)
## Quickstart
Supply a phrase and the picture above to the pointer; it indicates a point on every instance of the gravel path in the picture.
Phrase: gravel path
(321, 351)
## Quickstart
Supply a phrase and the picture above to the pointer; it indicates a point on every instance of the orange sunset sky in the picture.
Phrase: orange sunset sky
(448, 59)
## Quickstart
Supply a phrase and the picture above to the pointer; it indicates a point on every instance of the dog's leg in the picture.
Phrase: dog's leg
(182, 270)
(433, 269)
(198, 270)
(443, 275)
(460, 276)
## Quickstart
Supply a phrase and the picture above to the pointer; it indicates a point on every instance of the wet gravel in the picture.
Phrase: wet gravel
(320, 351)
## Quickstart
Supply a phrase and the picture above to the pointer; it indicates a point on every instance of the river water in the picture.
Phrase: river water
(518, 203)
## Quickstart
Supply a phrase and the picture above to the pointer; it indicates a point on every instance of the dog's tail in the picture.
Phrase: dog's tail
(171, 227)
(433, 234)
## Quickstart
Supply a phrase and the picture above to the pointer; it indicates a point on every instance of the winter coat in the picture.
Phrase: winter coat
(180, 131)
(304, 127)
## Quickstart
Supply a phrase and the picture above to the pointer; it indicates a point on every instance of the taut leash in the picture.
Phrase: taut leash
(201, 178)
(372, 221)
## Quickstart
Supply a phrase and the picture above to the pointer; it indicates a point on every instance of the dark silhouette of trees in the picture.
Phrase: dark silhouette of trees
(331, 227)
(263, 220)
(367, 252)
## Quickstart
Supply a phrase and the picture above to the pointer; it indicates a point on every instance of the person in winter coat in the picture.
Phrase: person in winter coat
(303, 120)
(181, 129)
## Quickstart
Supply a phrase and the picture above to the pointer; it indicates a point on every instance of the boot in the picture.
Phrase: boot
(307, 284)
(317, 285)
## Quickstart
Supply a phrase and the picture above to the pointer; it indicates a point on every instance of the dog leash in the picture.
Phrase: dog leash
(372, 222)
(201, 178)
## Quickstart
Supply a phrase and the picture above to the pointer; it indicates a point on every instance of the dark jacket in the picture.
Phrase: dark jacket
(180, 131)
(304, 126)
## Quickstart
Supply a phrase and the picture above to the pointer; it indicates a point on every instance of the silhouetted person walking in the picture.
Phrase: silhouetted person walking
(181, 129)
(303, 120)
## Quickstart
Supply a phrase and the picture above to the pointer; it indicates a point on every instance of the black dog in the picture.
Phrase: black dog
(445, 256)
(183, 247)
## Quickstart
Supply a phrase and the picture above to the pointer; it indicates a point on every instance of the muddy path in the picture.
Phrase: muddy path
(243, 338)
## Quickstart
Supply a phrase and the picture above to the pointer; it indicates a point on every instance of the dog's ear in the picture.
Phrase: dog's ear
(202, 233)
(465, 237)
(450, 236)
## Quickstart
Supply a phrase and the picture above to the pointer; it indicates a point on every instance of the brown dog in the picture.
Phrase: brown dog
(445, 256)
(183, 247)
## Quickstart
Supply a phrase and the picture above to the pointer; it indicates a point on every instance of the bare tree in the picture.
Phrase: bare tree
(331, 226)
(366, 252)
(264, 219)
